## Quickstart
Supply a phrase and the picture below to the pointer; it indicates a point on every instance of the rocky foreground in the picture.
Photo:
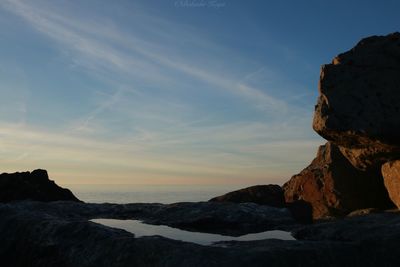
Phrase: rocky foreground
(342, 208)
(59, 234)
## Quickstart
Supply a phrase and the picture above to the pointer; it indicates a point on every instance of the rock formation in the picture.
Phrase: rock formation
(47, 234)
(358, 112)
(391, 175)
(334, 187)
(271, 195)
(33, 185)
(358, 107)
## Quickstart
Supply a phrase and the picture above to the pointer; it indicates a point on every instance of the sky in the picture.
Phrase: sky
(170, 91)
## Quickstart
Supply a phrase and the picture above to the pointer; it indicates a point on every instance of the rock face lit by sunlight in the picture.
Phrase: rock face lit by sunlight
(141, 229)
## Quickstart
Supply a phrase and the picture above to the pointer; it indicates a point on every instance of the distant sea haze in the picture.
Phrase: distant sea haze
(148, 193)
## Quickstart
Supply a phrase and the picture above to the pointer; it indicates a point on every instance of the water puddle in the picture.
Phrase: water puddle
(141, 229)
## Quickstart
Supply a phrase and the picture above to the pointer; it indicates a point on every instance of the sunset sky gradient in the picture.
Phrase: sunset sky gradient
(170, 92)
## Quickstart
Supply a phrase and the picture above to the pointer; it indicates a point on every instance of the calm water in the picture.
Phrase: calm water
(142, 229)
(148, 193)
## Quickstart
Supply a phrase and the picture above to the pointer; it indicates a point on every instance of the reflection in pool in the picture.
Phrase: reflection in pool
(142, 229)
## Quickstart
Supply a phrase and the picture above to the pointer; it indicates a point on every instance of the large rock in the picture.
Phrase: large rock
(391, 177)
(33, 185)
(359, 103)
(271, 195)
(334, 187)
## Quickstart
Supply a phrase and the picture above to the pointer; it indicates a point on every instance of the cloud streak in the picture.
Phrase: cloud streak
(83, 38)
(146, 126)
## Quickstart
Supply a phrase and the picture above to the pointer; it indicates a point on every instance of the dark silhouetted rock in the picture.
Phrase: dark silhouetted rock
(391, 177)
(301, 211)
(359, 103)
(333, 187)
(222, 218)
(33, 185)
(271, 195)
(39, 234)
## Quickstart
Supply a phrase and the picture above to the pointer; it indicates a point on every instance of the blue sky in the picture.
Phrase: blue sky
(170, 92)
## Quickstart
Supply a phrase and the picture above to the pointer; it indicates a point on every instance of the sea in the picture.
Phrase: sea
(166, 194)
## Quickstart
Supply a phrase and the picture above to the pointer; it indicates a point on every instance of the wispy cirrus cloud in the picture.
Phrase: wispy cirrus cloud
(95, 47)
(155, 118)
